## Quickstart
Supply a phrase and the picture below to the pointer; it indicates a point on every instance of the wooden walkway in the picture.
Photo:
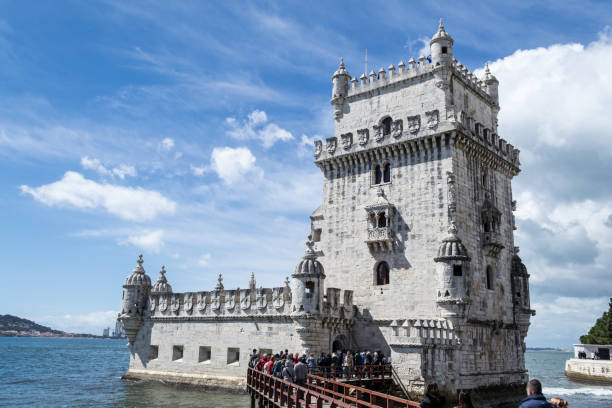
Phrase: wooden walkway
(323, 392)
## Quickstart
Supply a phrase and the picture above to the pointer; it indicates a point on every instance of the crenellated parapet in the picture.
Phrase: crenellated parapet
(423, 333)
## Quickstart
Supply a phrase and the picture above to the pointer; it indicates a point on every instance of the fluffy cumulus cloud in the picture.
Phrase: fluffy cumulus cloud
(128, 203)
(152, 241)
(166, 144)
(232, 164)
(120, 171)
(256, 126)
(555, 105)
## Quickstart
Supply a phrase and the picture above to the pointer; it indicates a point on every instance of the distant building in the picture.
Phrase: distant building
(119, 332)
(105, 332)
(411, 251)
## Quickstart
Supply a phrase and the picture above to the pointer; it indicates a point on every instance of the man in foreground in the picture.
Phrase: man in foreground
(535, 398)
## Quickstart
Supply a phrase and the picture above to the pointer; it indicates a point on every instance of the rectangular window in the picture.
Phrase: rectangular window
(204, 354)
(153, 352)
(444, 50)
(233, 355)
(457, 270)
(177, 353)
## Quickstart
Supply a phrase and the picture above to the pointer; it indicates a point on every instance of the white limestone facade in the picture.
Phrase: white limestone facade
(411, 251)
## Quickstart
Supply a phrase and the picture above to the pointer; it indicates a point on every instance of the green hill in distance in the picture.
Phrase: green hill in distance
(10, 322)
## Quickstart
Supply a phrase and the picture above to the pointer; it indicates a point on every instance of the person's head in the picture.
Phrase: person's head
(534, 387)
(311, 354)
(254, 351)
(559, 402)
(432, 389)
(465, 401)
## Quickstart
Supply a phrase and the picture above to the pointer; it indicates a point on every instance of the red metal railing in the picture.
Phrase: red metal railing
(372, 371)
(318, 392)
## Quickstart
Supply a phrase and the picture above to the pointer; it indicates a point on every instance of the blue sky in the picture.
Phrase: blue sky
(183, 130)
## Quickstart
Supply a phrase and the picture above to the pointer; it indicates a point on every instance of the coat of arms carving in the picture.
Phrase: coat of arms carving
(245, 302)
(163, 303)
(432, 119)
(188, 302)
(397, 127)
(152, 303)
(332, 143)
(347, 140)
(230, 302)
(363, 135)
(414, 124)
(318, 145)
(175, 303)
(201, 302)
(378, 133)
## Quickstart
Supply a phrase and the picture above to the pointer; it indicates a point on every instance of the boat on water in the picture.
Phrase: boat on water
(591, 362)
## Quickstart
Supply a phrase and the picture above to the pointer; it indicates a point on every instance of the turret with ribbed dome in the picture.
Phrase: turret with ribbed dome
(441, 45)
(307, 283)
(162, 285)
(136, 290)
(452, 271)
(340, 88)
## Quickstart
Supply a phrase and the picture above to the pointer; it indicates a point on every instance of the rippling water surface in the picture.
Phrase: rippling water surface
(39, 372)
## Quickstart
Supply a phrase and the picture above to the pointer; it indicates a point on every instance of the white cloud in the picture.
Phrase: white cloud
(204, 259)
(166, 144)
(152, 241)
(252, 129)
(197, 170)
(306, 145)
(120, 171)
(232, 164)
(128, 203)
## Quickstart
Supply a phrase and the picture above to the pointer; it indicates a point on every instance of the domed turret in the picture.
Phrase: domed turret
(441, 45)
(162, 285)
(492, 84)
(451, 269)
(135, 294)
(520, 281)
(340, 87)
(307, 283)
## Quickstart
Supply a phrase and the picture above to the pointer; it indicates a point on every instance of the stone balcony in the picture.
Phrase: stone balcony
(380, 239)
(492, 243)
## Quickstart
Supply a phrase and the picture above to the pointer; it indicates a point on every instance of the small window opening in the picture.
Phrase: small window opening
(316, 234)
(444, 50)
(309, 288)
(204, 354)
(489, 278)
(382, 220)
(518, 294)
(387, 173)
(386, 123)
(457, 270)
(153, 352)
(377, 174)
(382, 273)
(177, 353)
(233, 355)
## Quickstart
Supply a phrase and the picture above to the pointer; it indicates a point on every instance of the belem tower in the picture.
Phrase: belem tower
(411, 251)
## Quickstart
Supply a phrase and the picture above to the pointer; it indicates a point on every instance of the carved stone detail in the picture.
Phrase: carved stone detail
(188, 303)
(363, 135)
(152, 303)
(452, 192)
(397, 127)
(378, 133)
(331, 145)
(433, 118)
(175, 303)
(347, 140)
(201, 302)
(163, 303)
(318, 148)
(414, 124)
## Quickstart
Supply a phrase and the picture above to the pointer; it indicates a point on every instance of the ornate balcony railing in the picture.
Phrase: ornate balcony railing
(380, 239)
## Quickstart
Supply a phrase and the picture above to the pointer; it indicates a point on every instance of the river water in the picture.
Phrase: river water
(51, 372)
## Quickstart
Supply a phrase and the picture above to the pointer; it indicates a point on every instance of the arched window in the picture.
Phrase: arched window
(382, 273)
(387, 173)
(386, 124)
(377, 174)
(382, 220)
(489, 277)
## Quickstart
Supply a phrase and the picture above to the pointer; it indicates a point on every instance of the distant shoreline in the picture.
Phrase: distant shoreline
(47, 335)
(549, 349)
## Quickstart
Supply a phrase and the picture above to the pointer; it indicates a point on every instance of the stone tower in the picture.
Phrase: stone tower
(417, 220)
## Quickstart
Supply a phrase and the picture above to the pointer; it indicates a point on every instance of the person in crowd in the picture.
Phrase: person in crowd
(269, 365)
(311, 362)
(559, 402)
(535, 398)
(262, 362)
(465, 401)
(277, 371)
(335, 365)
(288, 374)
(300, 371)
(348, 364)
(432, 397)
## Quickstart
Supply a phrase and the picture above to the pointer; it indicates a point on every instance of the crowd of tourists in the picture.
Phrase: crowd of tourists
(535, 398)
(295, 368)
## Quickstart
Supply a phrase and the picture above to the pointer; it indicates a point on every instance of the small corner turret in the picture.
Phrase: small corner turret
(492, 84)
(441, 48)
(340, 81)
(135, 295)
(307, 283)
